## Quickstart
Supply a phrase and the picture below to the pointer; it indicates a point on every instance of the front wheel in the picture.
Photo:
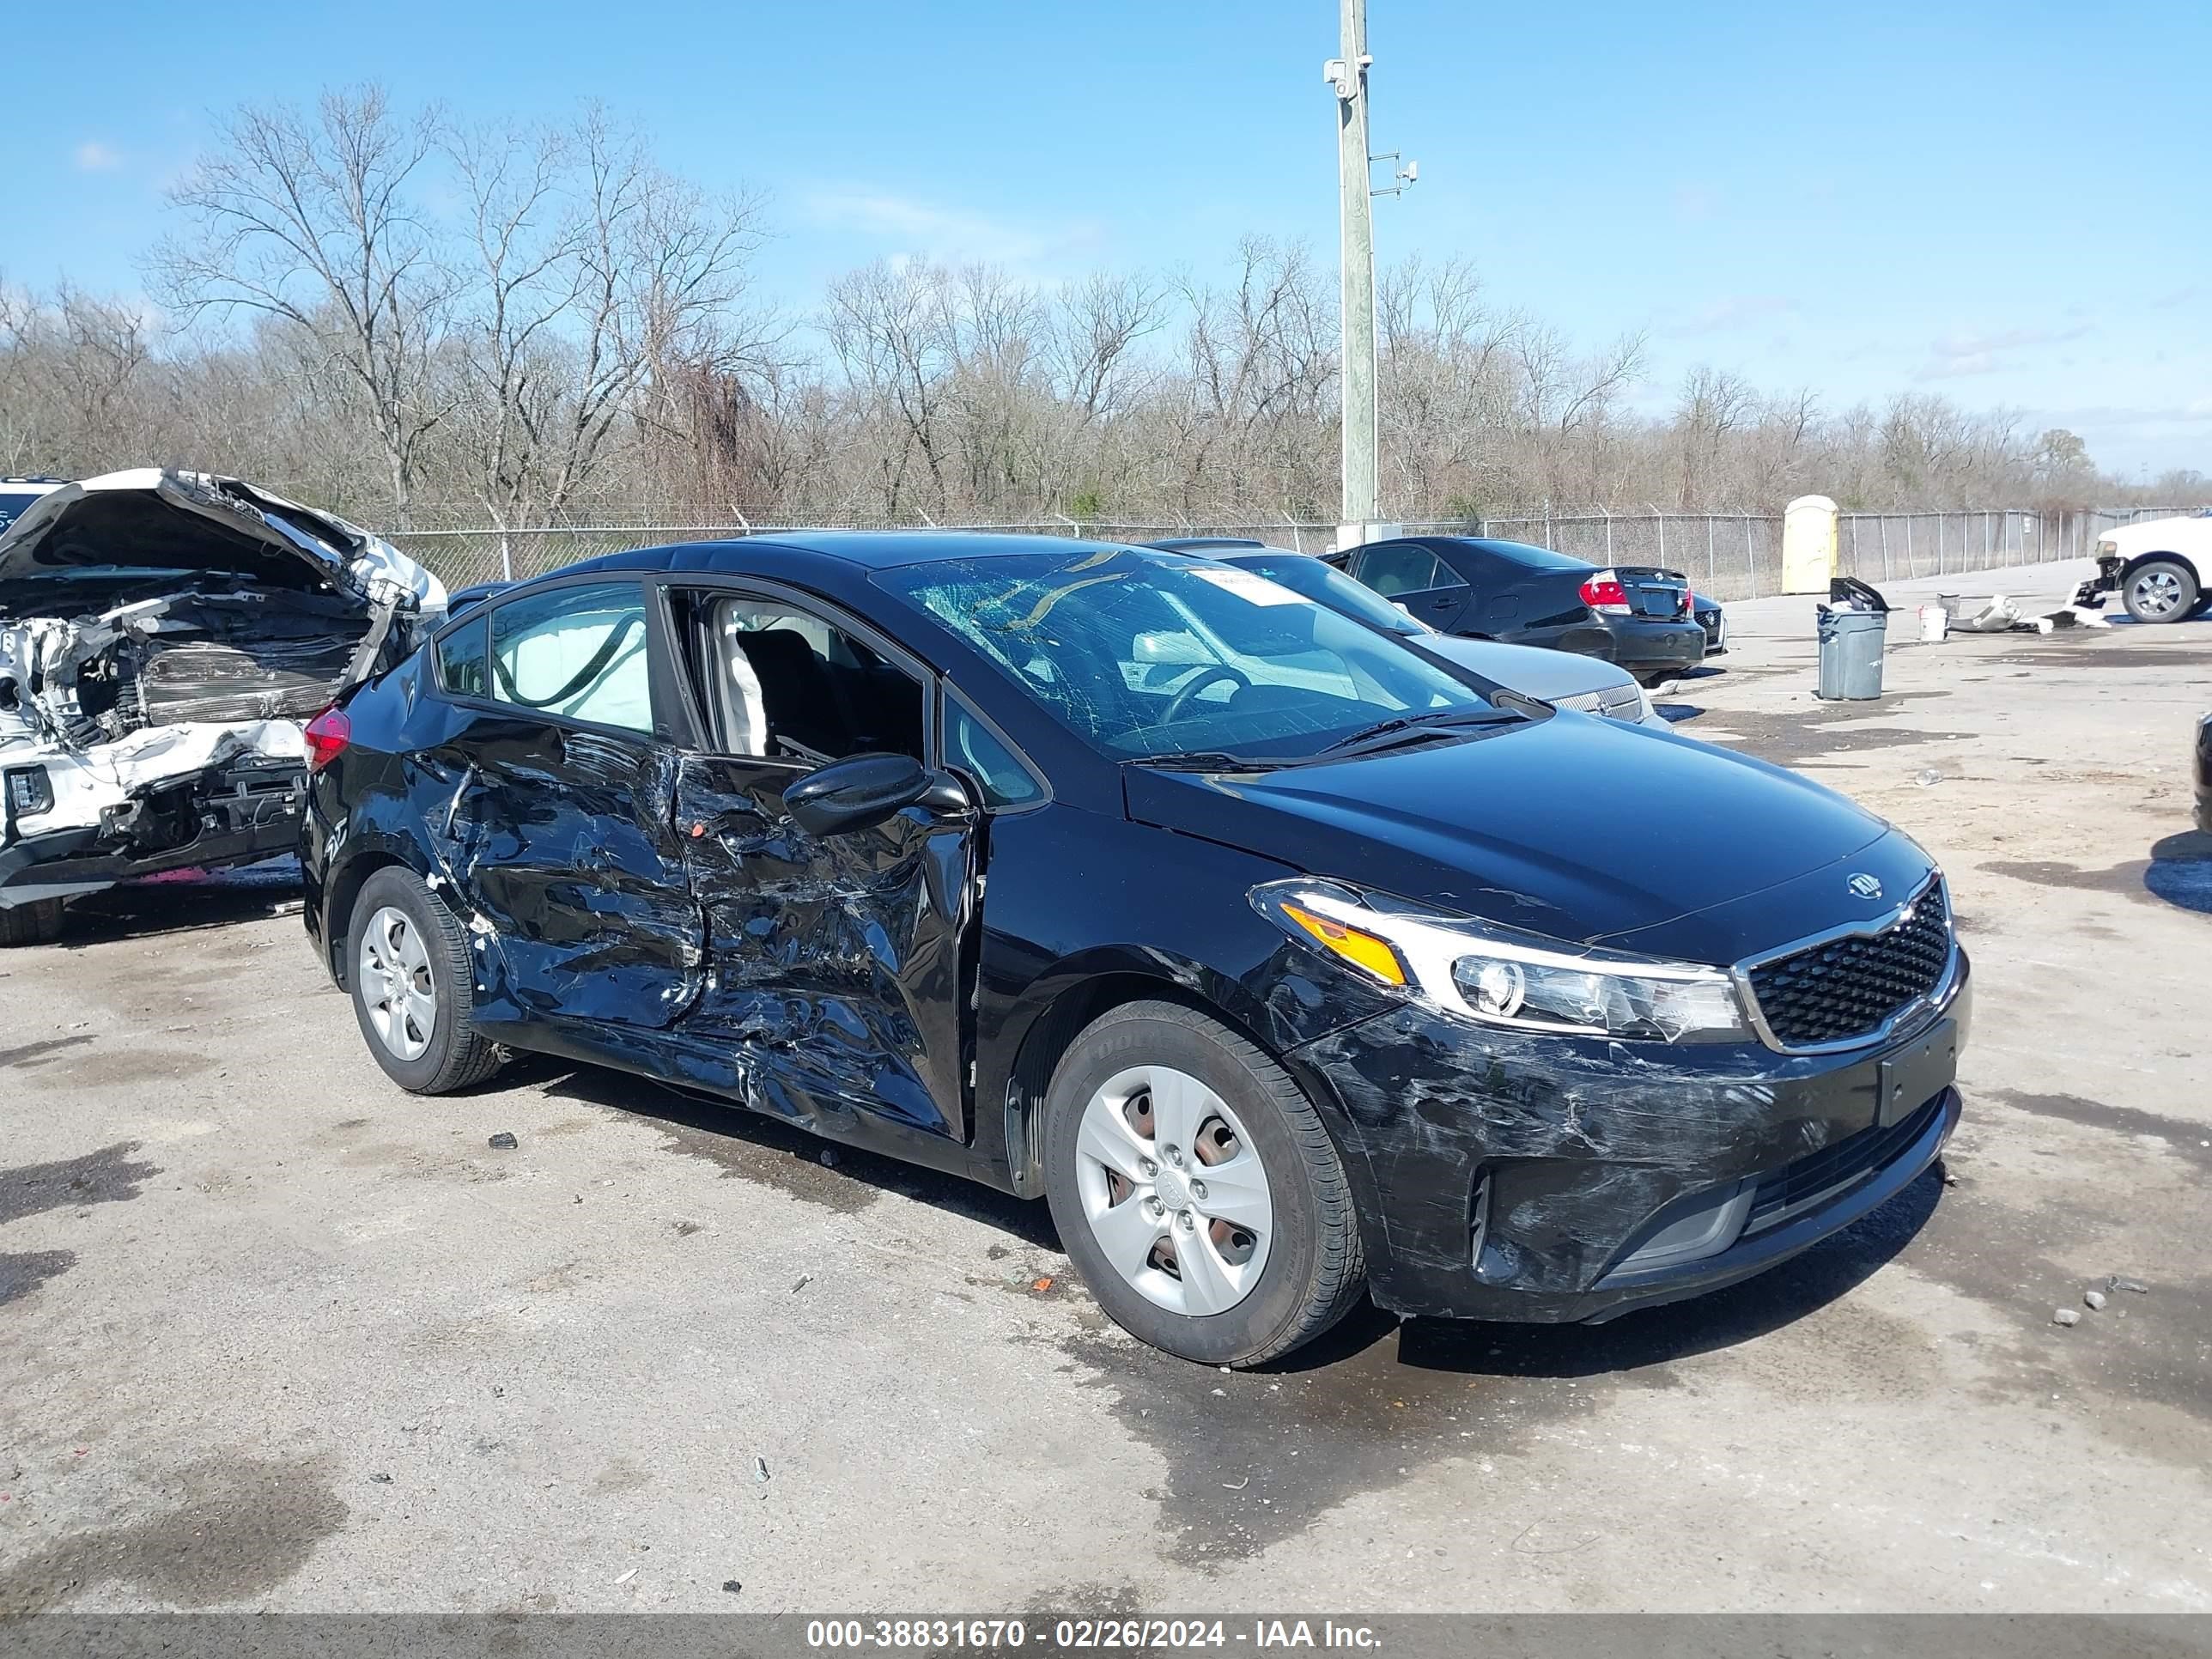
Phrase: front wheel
(411, 987)
(2160, 590)
(39, 922)
(1196, 1190)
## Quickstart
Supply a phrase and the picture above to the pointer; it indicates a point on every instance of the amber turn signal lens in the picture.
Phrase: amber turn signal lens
(1361, 950)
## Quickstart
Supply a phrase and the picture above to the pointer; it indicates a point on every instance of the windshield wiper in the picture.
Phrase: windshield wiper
(1214, 760)
(1405, 728)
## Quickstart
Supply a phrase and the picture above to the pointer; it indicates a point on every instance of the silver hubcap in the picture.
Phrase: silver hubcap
(393, 975)
(2158, 592)
(1173, 1190)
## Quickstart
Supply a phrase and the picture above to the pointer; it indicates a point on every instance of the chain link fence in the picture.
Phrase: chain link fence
(1726, 556)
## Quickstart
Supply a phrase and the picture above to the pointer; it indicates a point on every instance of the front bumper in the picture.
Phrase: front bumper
(2091, 593)
(239, 815)
(1558, 1180)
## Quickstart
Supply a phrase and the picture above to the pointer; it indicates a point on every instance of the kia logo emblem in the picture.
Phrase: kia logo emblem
(1866, 886)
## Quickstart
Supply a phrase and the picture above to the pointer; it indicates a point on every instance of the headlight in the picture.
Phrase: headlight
(2107, 546)
(1501, 977)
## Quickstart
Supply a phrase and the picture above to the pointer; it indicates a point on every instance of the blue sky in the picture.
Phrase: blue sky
(2008, 204)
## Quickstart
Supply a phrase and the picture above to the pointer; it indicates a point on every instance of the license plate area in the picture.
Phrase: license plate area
(1912, 1075)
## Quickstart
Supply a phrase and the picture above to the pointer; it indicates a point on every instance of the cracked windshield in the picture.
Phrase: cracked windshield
(1156, 656)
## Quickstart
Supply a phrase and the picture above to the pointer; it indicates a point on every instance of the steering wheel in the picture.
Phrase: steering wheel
(1197, 682)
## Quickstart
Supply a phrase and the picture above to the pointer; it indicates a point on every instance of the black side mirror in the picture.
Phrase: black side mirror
(861, 792)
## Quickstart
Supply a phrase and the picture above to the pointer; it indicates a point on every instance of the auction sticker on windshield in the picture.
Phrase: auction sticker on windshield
(1248, 585)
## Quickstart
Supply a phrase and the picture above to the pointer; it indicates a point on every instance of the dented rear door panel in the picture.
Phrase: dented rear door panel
(837, 966)
(562, 840)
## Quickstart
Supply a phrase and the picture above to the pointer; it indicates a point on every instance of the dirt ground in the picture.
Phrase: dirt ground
(275, 1336)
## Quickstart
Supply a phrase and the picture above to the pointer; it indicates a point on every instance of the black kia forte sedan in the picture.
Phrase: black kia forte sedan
(1280, 960)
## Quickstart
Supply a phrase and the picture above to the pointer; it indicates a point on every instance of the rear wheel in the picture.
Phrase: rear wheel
(1196, 1190)
(410, 982)
(39, 922)
(2160, 590)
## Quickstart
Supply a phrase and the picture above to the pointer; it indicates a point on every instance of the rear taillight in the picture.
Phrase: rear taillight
(327, 736)
(1604, 591)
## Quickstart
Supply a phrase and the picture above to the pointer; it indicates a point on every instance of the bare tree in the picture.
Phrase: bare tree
(600, 287)
(310, 220)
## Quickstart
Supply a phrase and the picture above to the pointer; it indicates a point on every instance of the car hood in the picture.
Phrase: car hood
(1526, 668)
(154, 520)
(1576, 827)
(2185, 533)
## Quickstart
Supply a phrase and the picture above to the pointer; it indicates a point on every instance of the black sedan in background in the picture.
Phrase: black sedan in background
(1637, 616)
(1297, 971)
(1562, 678)
(1714, 621)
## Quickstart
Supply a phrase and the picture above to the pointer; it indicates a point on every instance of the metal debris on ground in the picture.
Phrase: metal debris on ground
(381, 1479)
(760, 1469)
(627, 1577)
(2065, 1316)
(801, 1283)
(2116, 1283)
(503, 1142)
(731, 1585)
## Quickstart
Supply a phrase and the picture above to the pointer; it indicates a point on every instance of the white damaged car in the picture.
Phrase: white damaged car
(164, 638)
(2161, 568)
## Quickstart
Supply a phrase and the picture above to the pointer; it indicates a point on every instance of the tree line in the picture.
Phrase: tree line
(424, 322)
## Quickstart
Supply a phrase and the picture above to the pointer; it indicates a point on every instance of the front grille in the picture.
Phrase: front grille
(1621, 703)
(1850, 987)
(1818, 1176)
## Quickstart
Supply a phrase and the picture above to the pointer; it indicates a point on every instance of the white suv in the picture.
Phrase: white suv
(2159, 567)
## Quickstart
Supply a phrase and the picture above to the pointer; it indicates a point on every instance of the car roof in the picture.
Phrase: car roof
(1192, 544)
(861, 549)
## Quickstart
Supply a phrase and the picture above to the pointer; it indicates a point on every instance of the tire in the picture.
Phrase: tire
(1302, 1272)
(39, 922)
(2160, 590)
(398, 919)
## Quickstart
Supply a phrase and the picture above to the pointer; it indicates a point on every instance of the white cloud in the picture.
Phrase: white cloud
(93, 156)
(920, 229)
(1957, 356)
(1731, 312)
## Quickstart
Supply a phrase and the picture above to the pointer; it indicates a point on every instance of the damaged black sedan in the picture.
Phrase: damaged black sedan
(1287, 965)
(164, 637)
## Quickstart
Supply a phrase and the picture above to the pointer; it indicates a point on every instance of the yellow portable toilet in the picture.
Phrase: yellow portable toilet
(1808, 544)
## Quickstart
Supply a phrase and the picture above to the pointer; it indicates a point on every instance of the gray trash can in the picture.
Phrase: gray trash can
(1853, 628)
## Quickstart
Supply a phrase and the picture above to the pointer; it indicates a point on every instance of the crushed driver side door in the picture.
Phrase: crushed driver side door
(839, 968)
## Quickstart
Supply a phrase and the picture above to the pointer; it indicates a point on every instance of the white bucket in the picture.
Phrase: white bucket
(1935, 623)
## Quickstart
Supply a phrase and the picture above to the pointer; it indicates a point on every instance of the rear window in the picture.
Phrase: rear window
(461, 660)
(1536, 558)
